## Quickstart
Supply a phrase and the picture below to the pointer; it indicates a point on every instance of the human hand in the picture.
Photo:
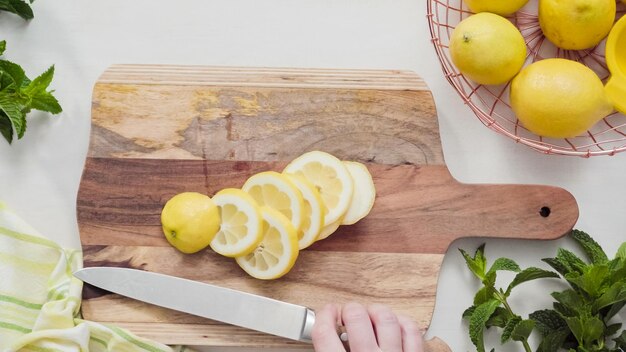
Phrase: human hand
(373, 329)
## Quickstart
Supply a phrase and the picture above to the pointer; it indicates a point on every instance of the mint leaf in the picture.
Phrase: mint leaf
(612, 329)
(615, 308)
(615, 294)
(504, 264)
(6, 129)
(508, 328)
(39, 84)
(547, 321)
(621, 252)
(571, 303)
(17, 7)
(529, 274)
(9, 106)
(468, 312)
(591, 281)
(591, 247)
(557, 265)
(586, 329)
(3, 46)
(554, 340)
(478, 263)
(483, 295)
(620, 342)
(478, 320)
(44, 101)
(522, 330)
(499, 318)
(571, 260)
(14, 72)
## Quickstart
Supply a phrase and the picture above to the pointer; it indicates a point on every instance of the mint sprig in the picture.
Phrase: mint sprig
(581, 318)
(19, 95)
(491, 306)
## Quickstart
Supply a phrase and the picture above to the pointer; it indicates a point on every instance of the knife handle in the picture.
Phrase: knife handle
(433, 345)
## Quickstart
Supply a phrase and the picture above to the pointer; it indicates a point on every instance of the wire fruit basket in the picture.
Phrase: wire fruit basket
(491, 103)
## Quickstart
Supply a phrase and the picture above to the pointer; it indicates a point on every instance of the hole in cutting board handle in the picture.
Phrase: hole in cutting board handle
(545, 211)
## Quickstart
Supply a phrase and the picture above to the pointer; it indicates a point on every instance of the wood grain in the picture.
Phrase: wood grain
(417, 210)
(161, 130)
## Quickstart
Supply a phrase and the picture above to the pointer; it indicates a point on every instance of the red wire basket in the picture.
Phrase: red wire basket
(491, 103)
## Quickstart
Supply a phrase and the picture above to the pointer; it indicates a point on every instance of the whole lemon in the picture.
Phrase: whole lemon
(558, 98)
(487, 48)
(499, 7)
(190, 221)
(576, 24)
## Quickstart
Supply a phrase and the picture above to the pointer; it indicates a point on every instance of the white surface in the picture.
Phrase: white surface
(40, 173)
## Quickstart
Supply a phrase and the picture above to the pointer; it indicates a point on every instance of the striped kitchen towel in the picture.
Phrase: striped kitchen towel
(40, 299)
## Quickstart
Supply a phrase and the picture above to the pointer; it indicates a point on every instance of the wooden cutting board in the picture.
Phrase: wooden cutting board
(161, 130)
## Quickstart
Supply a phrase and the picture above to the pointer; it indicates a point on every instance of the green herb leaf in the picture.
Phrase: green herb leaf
(478, 320)
(554, 340)
(586, 329)
(615, 294)
(13, 110)
(478, 263)
(522, 330)
(41, 83)
(45, 101)
(612, 329)
(620, 342)
(591, 247)
(592, 280)
(621, 252)
(468, 312)
(571, 303)
(504, 264)
(573, 262)
(529, 274)
(13, 72)
(6, 129)
(615, 308)
(19, 95)
(557, 265)
(17, 7)
(508, 328)
(547, 321)
(499, 318)
(3, 46)
(483, 295)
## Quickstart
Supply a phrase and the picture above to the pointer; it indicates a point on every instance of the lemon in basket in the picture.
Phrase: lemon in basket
(499, 7)
(558, 98)
(487, 48)
(576, 24)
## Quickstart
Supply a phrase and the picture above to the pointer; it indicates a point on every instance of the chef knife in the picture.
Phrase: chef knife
(214, 302)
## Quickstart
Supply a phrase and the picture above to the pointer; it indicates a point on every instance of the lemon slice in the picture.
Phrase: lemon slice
(276, 191)
(241, 228)
(364, 193)
(277, 252)
(329, 230)
(313, 211)
(330, 176)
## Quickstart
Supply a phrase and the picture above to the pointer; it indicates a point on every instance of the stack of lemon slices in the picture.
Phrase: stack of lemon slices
(274, 215)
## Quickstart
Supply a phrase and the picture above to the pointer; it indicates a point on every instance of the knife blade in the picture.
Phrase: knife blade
(205, 300)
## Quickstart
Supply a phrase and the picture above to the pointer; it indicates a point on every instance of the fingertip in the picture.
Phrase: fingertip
(409, 325)
(353, 311)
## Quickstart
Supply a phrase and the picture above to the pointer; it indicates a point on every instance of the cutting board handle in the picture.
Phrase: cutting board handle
(436, 345)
